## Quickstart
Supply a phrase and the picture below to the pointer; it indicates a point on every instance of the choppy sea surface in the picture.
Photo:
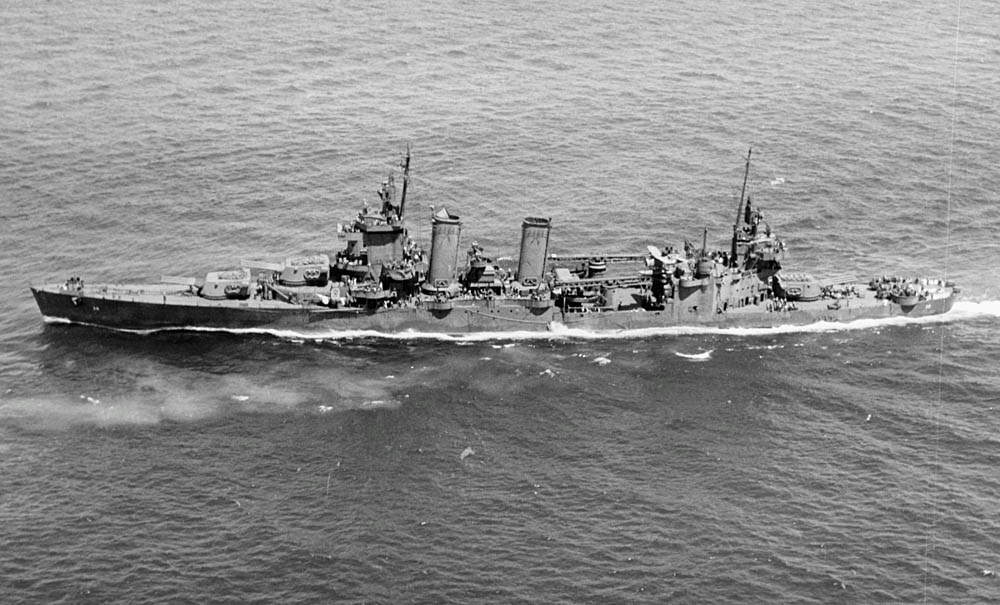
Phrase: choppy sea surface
(825, 464)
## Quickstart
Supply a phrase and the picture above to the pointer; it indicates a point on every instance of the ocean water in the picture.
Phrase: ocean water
(825, 464)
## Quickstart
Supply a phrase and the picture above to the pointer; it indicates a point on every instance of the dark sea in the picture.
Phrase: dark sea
(818, 464)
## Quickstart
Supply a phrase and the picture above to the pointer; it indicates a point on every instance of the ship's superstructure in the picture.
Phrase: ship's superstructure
(381, 280)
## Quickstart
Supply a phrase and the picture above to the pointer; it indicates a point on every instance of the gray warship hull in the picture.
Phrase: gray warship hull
(153, 308)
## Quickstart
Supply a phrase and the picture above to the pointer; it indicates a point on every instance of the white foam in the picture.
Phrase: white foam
(55, 320)
(373, 404)
(703, 356)
(965, 309)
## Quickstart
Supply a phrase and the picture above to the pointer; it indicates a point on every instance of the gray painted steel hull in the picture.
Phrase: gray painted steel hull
(148, 310)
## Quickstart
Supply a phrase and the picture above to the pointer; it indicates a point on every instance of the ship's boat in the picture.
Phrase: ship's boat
(586, 298)
(382, 280)
(370, 296)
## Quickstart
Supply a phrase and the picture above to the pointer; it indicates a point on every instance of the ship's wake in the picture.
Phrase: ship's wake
(162, 394)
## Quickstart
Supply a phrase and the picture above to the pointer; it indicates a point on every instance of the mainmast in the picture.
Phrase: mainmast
(735, 259)
(406, 181)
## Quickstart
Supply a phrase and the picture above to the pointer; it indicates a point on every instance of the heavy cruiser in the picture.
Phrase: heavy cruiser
(382, 281)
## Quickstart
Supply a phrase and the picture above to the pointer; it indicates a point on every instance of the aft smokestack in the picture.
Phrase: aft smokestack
(534, 249)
